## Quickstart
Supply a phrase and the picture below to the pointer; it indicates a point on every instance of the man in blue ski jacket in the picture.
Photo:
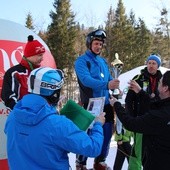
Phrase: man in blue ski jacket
(38, 138)
(95, 80)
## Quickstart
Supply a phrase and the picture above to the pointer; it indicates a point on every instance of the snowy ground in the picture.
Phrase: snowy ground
(110, 159)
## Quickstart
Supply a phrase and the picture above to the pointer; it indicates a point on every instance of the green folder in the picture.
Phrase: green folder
(81, 117)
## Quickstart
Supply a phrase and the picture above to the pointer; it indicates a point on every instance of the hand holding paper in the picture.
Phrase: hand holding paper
(100, 118)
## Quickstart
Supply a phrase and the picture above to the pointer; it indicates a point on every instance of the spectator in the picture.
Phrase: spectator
(15, 79)
(124, 147)
(148, 80)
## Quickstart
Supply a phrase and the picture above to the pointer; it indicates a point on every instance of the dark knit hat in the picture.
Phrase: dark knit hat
(33, 47)
(155, 58)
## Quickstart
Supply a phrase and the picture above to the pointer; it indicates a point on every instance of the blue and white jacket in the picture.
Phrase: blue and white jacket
(40, 139)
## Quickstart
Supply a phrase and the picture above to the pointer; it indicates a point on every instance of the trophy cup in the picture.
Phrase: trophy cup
(116, 69)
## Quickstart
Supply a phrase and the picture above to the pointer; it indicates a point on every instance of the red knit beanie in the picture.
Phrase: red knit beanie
(33, 47)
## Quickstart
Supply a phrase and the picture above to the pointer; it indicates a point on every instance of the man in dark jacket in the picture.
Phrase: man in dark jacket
(15, 79)
(148, 81)
(153, 124)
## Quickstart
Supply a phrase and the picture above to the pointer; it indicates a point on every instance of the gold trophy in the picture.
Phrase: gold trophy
(116, 69)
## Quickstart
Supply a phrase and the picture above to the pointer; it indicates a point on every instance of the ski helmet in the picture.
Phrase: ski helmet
(98, 34)
(46, 82)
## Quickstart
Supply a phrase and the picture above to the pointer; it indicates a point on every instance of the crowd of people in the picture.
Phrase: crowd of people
(38, 137)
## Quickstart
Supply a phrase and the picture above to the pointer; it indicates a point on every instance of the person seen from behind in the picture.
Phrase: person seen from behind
(38, 138)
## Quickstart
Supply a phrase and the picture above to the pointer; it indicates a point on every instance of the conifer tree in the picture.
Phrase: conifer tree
(161, 42)
(80, 45)
(109, 26)
(29, 21)
(122, 34)
(142, 48)
(129, 38)
(61, 36)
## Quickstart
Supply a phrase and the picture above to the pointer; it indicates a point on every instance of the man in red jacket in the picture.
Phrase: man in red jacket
(15, 79)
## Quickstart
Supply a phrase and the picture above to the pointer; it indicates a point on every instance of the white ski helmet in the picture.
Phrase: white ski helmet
(46, 82)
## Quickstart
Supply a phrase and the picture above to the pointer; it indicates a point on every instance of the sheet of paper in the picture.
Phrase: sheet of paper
(96, 105)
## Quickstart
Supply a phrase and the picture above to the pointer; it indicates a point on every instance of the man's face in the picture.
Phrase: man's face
(152, 66)
(163, 90)
(36, 59)
(96, 46)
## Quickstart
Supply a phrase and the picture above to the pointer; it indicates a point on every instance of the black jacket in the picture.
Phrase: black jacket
(155, 126)
(134, 105)
(15, 83)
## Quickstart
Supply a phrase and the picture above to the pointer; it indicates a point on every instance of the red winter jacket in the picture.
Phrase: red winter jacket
(15, 83)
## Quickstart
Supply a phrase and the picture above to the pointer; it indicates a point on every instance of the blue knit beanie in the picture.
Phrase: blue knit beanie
(155, 58)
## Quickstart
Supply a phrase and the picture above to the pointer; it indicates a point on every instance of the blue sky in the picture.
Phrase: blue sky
(89, 12)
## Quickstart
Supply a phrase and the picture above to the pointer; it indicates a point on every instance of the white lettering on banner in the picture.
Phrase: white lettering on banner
(6, 58)
(13, 56)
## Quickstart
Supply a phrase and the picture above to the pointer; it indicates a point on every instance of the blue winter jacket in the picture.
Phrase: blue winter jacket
(93, 75)
(40, 139)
